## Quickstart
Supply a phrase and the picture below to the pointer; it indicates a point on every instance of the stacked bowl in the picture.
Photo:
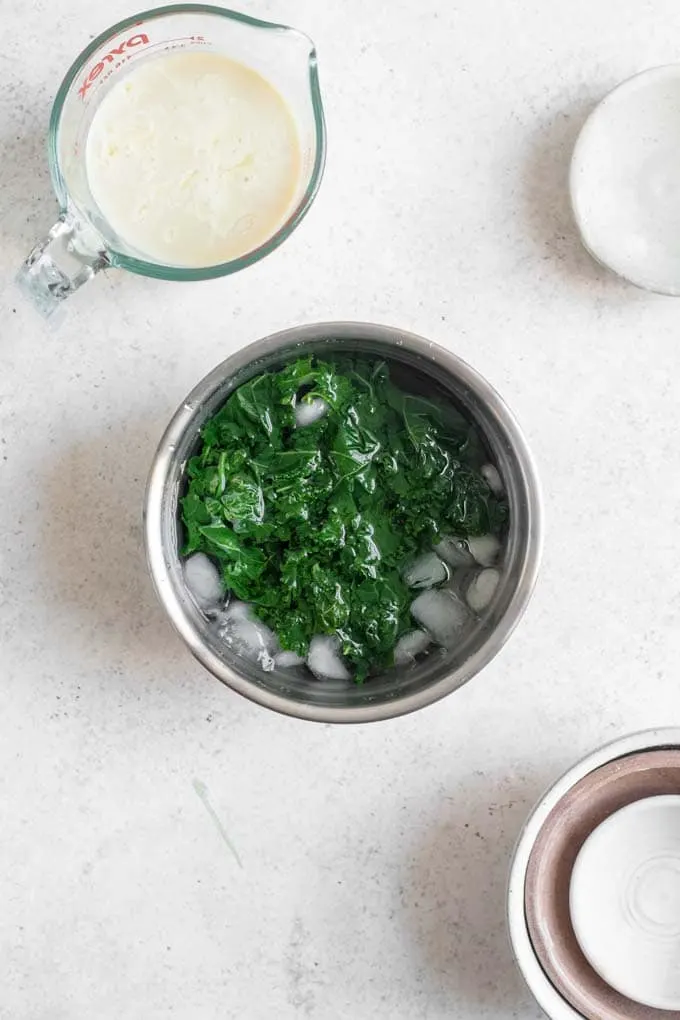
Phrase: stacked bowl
(594, 893)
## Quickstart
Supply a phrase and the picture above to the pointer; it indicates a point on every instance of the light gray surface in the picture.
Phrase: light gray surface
(373, 860)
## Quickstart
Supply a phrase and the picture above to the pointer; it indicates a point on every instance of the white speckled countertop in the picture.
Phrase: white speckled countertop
(366, 880)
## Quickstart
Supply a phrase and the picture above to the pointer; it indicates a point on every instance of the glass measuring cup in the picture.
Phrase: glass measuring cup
(82, 241)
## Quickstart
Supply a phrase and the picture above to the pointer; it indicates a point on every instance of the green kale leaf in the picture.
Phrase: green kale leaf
(313, 525)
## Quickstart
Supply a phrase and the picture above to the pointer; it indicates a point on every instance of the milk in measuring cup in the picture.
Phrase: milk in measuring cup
(193, 159)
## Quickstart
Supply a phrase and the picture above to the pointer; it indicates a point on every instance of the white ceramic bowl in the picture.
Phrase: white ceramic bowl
(543, 991)
(625, 180)
(624, 901)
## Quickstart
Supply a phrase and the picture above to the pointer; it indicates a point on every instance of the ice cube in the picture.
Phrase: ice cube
(307, 412)
(493, 479)
(284, 660)
(203, 580)
(247, 636)
(454, 551)
(410, 645)
(425, 572)
(324, 658)
(238, 609)
(482, 589)
(441, 613)
(485, 549)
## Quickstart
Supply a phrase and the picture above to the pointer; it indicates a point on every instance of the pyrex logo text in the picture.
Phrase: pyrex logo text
(134, 40)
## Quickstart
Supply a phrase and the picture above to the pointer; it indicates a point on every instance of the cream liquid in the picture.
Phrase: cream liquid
(193, 159)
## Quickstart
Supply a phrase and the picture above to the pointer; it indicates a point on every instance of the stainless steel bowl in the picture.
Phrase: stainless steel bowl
(400, 690)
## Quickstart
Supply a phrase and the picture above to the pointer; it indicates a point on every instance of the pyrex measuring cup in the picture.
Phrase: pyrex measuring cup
(82, 241)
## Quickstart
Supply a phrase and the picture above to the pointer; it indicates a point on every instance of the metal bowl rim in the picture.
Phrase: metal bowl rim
(181, 421)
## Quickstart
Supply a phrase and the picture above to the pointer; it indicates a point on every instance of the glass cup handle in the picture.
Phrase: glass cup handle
(59, 265)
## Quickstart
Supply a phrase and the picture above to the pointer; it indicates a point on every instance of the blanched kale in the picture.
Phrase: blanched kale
(313, 525)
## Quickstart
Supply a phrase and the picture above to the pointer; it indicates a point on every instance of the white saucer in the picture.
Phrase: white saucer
(625, 180)
(624, 901)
